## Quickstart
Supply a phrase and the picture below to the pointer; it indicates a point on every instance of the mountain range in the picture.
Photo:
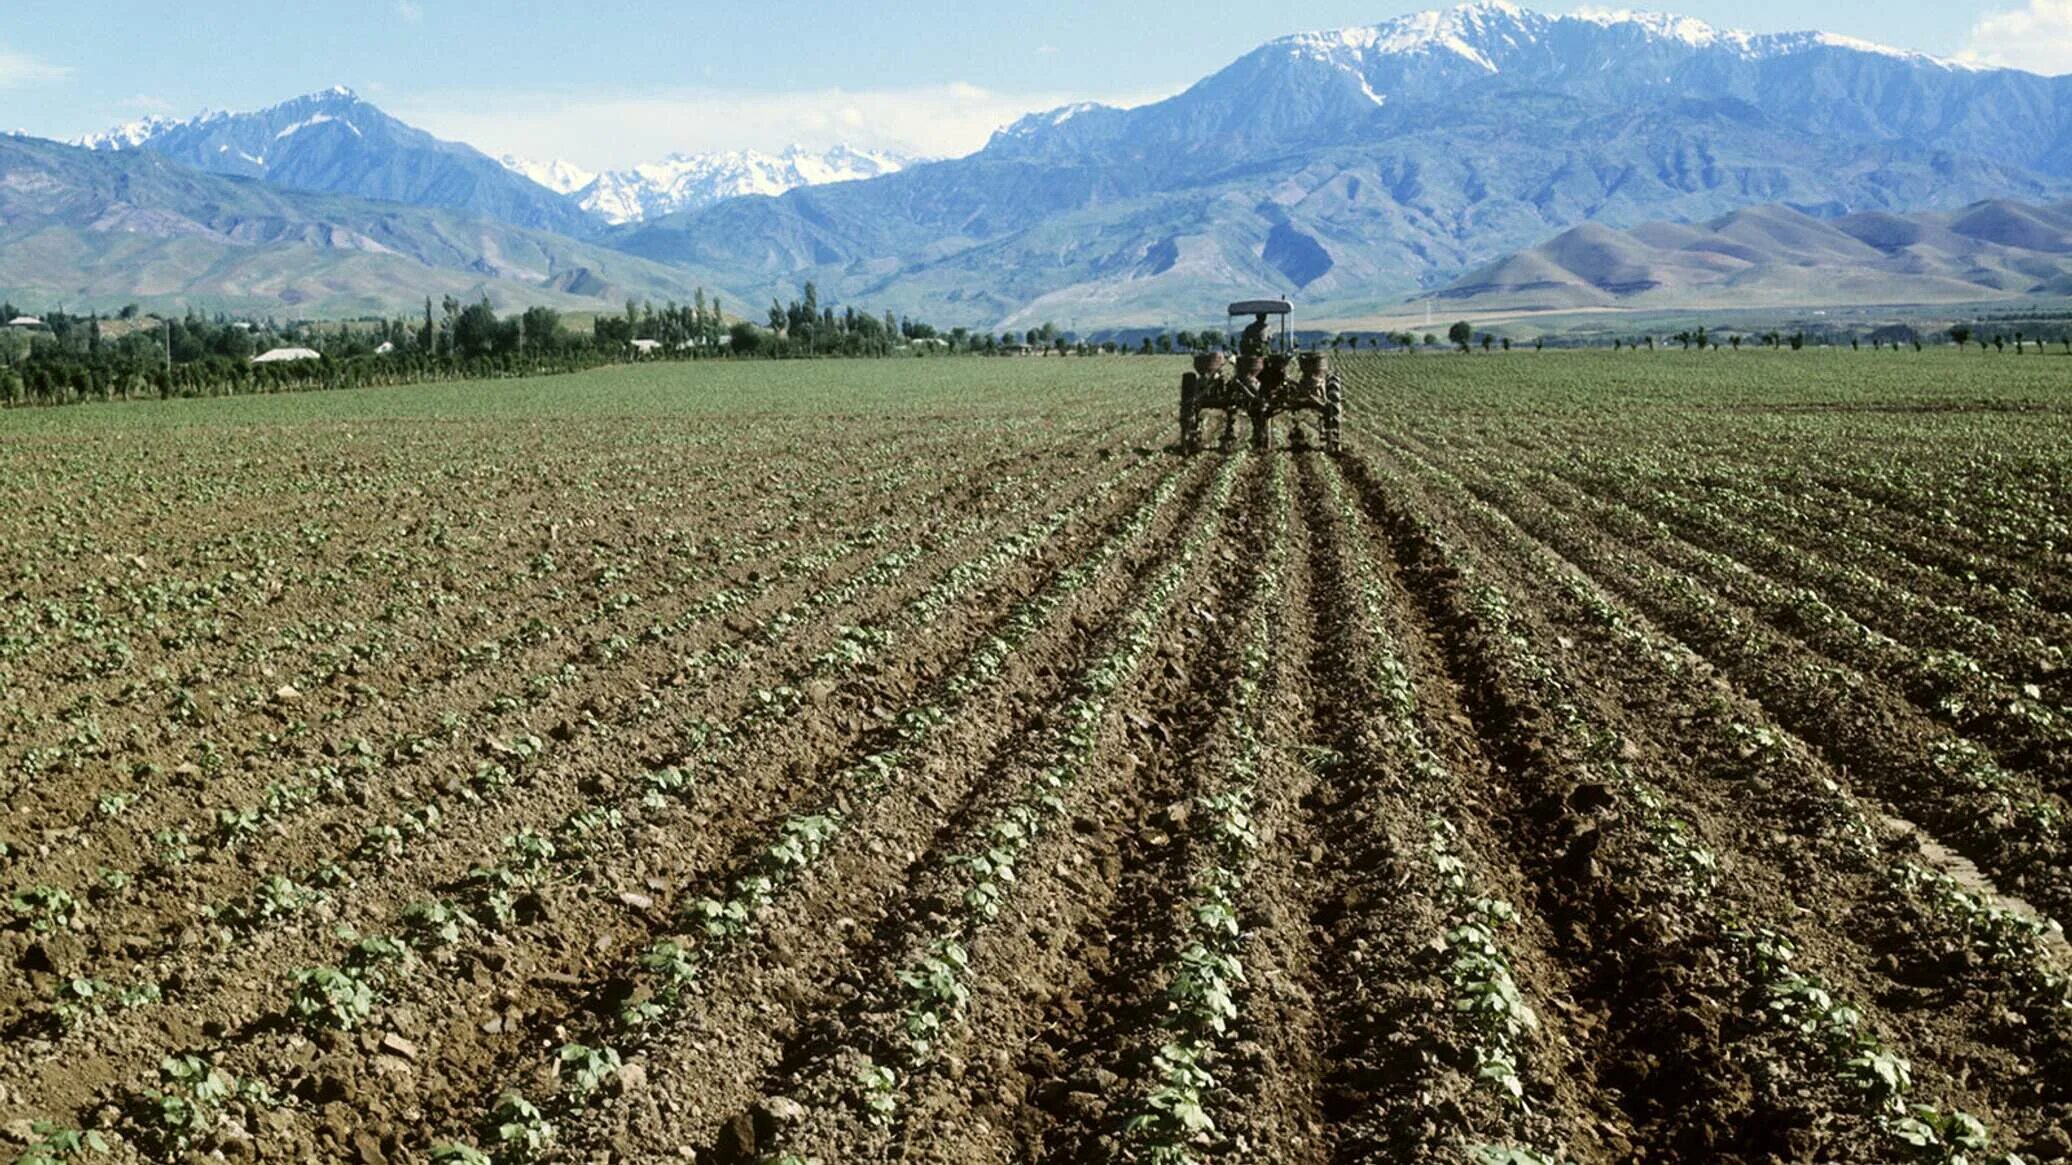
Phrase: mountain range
(335, 143)
(86, 228)
(1347, 168)
(694, 181)
(1774, 256)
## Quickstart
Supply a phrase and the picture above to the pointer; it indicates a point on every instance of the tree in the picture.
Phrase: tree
(475, 330)
(1960, 335)
(541, 327)
(1460, 335)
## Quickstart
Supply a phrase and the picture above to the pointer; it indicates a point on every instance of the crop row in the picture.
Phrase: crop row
(914, 1010)
(1173, 1118)
(1489, 1012)
(1803, 1016)
(714, 925)
(492, 889)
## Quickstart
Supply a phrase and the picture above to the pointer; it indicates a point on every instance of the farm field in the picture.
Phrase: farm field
(1646, 757)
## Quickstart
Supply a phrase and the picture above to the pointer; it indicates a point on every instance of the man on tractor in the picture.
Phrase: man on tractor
(1254, 341)
(1260, 386)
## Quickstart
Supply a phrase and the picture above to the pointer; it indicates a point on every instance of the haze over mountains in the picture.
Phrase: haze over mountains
(1346, 168)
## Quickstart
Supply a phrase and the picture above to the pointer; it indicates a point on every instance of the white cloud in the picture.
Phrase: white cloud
(410, 11)
(19, 70)
(607, 131)
(2037, 37)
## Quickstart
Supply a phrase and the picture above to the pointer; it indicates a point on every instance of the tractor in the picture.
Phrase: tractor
(1260, 384)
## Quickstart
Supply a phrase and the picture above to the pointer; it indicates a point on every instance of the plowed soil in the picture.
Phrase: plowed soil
(1573, 768)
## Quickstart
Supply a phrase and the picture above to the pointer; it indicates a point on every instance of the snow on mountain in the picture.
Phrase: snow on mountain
(690, 181)
(129, 135)
(1663, 26)
(319, 119)
(333, 142)
(559, 176)
(1365, 161)
(1491, 33)
(1467, 31)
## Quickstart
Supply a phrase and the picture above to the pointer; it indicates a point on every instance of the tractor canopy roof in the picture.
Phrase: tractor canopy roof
(1262, 307)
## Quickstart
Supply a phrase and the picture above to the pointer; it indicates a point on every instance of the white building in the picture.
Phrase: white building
(287, 355)
(25, 322)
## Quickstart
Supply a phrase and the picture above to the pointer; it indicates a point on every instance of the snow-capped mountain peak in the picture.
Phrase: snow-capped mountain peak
(129, 135)
(1490, 33)
(331, 141)
(559, 176)
(1470, 31)
(691, 181)
(1663, 26)
(135, 135)
(1034, 125)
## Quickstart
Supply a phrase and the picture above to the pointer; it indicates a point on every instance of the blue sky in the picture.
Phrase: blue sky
(625, 81)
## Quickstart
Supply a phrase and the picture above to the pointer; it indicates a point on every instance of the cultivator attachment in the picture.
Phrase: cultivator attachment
(1261, 385)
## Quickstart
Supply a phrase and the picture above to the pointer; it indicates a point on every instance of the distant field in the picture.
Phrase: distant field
(1655, 756)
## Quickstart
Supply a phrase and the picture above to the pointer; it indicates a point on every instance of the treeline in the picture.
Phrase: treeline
(67, 358)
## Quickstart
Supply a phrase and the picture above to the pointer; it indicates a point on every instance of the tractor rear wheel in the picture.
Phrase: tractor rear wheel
(1190, 413)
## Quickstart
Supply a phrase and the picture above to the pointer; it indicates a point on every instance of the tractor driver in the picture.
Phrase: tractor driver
(1253, 342)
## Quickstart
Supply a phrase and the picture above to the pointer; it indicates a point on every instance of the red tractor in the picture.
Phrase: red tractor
(1260, 384)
